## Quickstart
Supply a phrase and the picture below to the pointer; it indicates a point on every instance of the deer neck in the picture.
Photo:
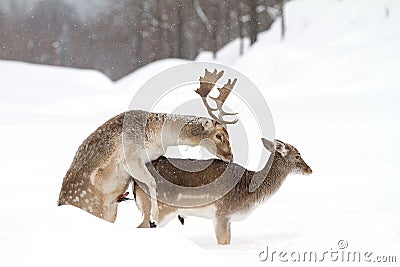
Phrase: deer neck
(273, 178)
(180, 130)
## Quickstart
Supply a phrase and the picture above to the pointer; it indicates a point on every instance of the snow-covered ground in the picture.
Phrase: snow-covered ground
(333, 87)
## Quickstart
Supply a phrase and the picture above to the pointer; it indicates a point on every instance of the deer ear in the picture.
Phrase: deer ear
(280, 147)
(206, 123)
(269, 145)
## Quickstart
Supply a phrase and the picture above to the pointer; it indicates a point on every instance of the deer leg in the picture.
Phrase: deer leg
(110, 213)
(143, 201)
(113, 207)
(144, 204)
(222, 227)
(155, 213)
(167, 213)
(144, 176)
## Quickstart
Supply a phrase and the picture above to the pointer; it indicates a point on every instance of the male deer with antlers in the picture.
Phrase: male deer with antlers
(119, 149)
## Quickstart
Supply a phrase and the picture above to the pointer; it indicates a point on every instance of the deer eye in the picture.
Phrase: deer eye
(297, 157)
(218, 136)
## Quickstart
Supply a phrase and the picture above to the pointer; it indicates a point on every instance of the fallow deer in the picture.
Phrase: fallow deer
(235, 205)
(105, 162)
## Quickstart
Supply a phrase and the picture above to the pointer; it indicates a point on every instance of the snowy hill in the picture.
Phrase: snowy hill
(333, 88)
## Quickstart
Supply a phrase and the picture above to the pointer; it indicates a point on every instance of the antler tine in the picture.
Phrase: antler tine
(222, 113)
(209, 109)
(207, 83)
(220, 100)
(225, 91)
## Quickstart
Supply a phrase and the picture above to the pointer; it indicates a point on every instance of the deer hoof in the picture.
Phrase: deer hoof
(181, 219)
(152, 224)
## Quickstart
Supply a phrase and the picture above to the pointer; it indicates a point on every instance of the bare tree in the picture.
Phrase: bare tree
(239, 9)
(253, 21)
(180, 22)
(131, 33)
(227, 19)
(282, 15)
(3, 33)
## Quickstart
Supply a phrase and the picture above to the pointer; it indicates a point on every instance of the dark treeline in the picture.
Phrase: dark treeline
(131, 33)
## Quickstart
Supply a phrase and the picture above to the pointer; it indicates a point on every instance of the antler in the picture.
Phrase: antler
(207, 83)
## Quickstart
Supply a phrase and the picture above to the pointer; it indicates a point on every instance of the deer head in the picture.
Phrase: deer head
(290, 158)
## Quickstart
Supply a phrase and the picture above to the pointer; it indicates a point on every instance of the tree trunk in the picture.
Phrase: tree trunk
(227, 19)
(240, 28)
(215, 16)
(180, 22)
(253, 22)
(160, 31)
(282, 13)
